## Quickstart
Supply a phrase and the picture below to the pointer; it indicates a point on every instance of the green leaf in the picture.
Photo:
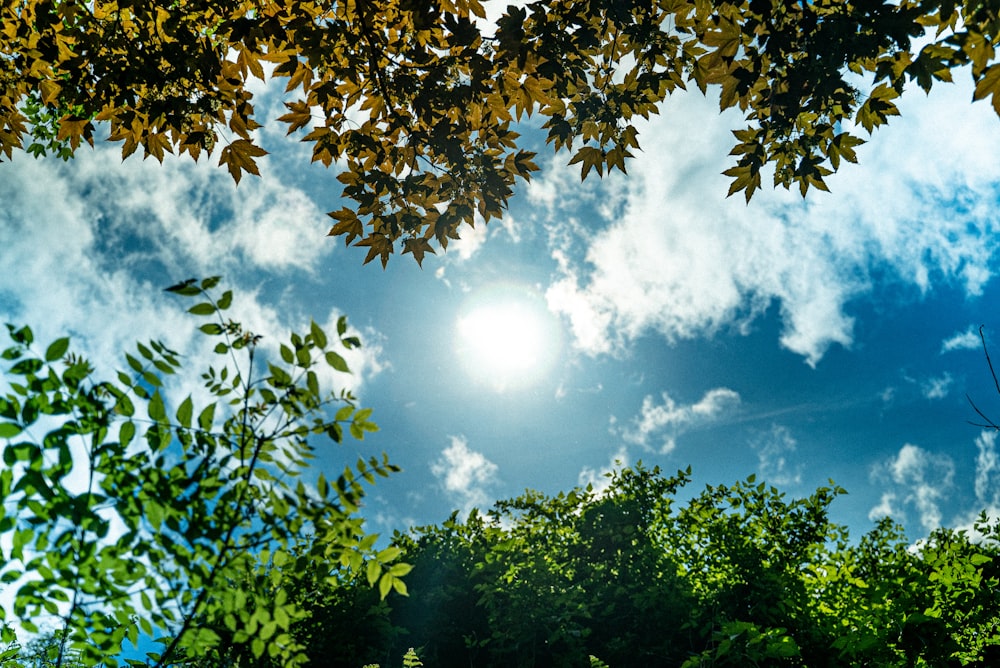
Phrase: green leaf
(372, 572)
(185, 412)
(226, 300)
(337, 362)
(318, 335)
(136, 365)
(124, 406)
(203, 308)
(154, 513)
(388, 554)
(185, 288)
(156, 409)
(57, 349)
(9, 430)
(206, 417)
(385, 585)
(23, 336)
(126, 433)
(27, 367)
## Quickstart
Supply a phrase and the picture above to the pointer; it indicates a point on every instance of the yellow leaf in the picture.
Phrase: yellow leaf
(239, 157)
(50, 91)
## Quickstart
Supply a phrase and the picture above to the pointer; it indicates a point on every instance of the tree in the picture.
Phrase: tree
(419, 101)
(122, 514)
(738, 575)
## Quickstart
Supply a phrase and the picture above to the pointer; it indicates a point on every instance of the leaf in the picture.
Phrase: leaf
(299, 115)
(590, 158)
(385, 585)
(418, 247)
(206, 418)
(27, 367)
(23, 336)
(318, 335)
(57, 349)
(337, 362)
(388, 554)
(989, 85)
(202, 309)
(157, 411)
(185, 412)
(126, 433)
(239, 156)
(185, 288)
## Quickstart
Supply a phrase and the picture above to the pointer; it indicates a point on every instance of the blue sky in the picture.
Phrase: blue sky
(798, 340)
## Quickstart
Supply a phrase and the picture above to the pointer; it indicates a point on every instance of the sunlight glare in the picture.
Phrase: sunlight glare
(507, 339)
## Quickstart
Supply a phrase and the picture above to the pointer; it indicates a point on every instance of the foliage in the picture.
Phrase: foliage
(410, 660)
(738, 575)
(418, 101)
(42, 652)
(124, 515)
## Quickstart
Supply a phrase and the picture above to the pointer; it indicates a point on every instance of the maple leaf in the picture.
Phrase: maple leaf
(239, 156)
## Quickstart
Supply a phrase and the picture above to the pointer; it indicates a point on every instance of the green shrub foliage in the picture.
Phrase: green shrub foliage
(127, 515)
(737, 575)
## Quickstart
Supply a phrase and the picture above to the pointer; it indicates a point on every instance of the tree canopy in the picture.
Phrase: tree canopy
(736, 575)
(418, 102)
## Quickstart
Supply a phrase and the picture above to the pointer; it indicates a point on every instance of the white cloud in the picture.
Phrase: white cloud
(65, 228)
(471, 239)
(665, 422)
(967, 340)
(775, 450)
(680, 260)
(987, 483)
(937, 388)
(465, 475)
(986, 486)
(914, 479)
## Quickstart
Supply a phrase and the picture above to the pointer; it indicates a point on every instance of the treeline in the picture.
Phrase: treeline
(630, 576)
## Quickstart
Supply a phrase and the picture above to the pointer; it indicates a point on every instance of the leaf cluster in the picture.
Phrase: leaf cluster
(180, 504)
(417, 102)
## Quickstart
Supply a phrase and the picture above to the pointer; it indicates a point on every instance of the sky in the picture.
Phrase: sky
(644, 316)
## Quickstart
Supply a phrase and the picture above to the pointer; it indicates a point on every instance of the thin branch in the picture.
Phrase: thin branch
(986, 352)
(988, 424)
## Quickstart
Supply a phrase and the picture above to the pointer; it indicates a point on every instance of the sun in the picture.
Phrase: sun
(506, 338)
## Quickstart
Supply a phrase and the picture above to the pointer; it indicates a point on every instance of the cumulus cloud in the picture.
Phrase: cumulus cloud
(680, 260)
(967, 340)
(64, 231)
(914, 479)
(658, 425)
(465, 475)
(775, 452)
